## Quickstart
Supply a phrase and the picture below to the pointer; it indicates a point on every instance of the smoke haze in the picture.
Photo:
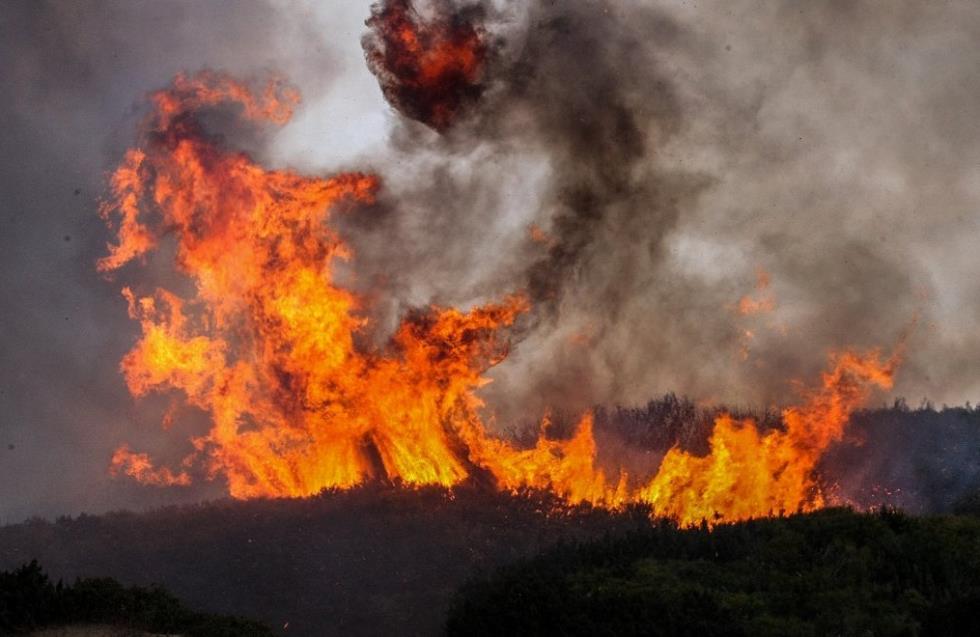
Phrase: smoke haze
(631, 166)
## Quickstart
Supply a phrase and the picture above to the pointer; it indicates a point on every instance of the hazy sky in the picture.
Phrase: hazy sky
(834, 145)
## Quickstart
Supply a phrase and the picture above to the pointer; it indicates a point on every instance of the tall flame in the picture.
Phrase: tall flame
(265, 344)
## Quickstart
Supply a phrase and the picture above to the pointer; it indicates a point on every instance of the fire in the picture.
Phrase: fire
(539, 236)
(752, 474)
(265, 343)
(763, 302)
(139, 467)
(567, 467)
(427, 70)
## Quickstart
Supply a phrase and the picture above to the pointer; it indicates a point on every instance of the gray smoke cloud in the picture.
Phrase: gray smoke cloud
(664, 152)
(669, 153)
(551, 186)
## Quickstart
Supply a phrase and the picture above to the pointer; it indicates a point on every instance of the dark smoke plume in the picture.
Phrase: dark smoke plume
(582, 88)
(633, 166)
(429, 69)
(600, 106)
(575, 88)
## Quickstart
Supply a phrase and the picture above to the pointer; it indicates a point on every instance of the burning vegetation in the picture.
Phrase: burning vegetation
(429, 69)
(266, 342)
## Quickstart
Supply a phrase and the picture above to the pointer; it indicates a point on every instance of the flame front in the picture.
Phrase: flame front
(750, 474)
(266, 344)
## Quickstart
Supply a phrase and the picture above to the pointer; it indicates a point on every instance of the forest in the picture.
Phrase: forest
(385, 559)
(29, 600)
(832, 572)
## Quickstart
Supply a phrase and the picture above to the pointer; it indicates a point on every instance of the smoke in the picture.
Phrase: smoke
(632, 167)
(550, 184)
(429, 70)
(922, 460)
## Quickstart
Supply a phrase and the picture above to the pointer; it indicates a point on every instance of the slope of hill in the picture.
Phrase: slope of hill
(372, 561)
(833, 572)
(30, 603)
(378, 559)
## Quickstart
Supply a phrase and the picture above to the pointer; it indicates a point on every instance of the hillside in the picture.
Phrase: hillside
(372, 561)
(31, 603)
(380, 559)
(833, 572)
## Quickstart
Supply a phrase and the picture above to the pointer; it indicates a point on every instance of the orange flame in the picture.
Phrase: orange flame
(752, 474)
(763, 303)
(428, 70)
(139, 467)
(539, 236)
(265, 344)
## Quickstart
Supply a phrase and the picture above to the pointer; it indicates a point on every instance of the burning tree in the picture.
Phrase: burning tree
(266, 346)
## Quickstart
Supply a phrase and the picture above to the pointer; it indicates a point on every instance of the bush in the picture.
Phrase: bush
(28, 600)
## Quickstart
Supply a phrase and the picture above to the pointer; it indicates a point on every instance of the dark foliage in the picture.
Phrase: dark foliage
(834, 572)
(384, 560)
(29, 600)
(372, 561)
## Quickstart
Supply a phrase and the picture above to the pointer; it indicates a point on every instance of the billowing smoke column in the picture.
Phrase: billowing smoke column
(581, 88)
(575, 113)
